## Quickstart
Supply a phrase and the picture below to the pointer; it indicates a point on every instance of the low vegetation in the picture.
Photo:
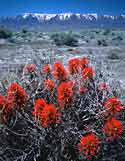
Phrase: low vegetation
(102, 43)
(68, 39)
(5, 33)
(61, 113)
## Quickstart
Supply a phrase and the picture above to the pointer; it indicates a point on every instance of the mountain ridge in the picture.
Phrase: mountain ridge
(62, 21)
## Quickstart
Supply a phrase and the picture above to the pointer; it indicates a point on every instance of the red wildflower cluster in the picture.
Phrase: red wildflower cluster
(65, 93)
(87, 73)
(112, 129)
(30, 68)
(89, 145)
(84, 62)
(102, 86)
(49, 115)
(38, 106)
(46, 114)
(17, 94)
(6, 107)
(49, 84)
(59, 72)
(113, 105)
(74, 66)
(46, 69)
(83, 89)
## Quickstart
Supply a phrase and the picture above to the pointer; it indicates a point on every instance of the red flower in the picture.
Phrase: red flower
(30, 68)
(89, 145)
(87, 73)
(38, 106)
(65, 93)
(82, 89)
(17, 94)
(102, 86)
(6, 107)
(49, 115)
(84, 63)
(113, 105)
(59, 72)
(46, 69)
(49, 84)
(74, 66)
(112, 129)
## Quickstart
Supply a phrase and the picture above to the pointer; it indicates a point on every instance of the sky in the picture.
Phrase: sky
(17, 7)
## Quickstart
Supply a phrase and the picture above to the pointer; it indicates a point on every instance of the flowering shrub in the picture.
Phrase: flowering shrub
(30, 68)
(84, 63)
(113, 105)
(49, 115)
(77, 65)
(89, 145)
(46, 69)
(113, 129)
(61, 114)
(59, 72)
(74, 66)
(6, 107)
(17, 94)
(65, 93)
(82, 89)
(49, 84)
(103, 86)
(87, 73)
(38, 106)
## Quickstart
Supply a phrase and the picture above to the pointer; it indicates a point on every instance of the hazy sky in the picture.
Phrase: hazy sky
(15, 7)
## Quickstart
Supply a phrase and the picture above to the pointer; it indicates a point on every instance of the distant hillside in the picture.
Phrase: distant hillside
(64, 21)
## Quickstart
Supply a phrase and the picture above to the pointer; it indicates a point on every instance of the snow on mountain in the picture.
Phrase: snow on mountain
(39, 16)
(61, 16)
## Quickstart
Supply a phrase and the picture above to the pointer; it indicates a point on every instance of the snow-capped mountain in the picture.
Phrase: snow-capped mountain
(61, 21)
(61, 16)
